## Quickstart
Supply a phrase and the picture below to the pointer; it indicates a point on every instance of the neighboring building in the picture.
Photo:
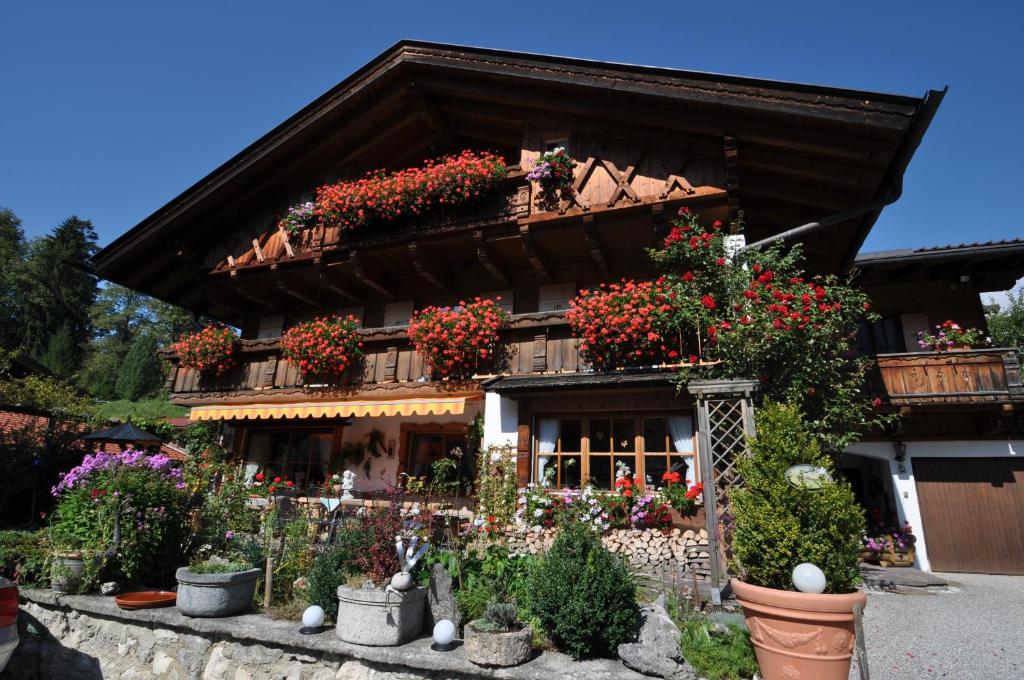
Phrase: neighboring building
(647, 141)
(960, 483)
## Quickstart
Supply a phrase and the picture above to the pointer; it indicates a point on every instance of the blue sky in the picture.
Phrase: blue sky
(109, 110)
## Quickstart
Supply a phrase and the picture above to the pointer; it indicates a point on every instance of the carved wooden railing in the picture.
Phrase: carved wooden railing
(955, 377)
(536, 344)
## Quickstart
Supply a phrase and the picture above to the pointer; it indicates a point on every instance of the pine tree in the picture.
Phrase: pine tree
(142, 372)
(60, 354)
(12, 272)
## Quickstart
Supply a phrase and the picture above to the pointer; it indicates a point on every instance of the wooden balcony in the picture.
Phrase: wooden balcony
(537, 344)
(976, 376)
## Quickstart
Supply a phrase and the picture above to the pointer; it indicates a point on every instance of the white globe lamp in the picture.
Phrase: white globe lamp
(444, 634)
(312, 620)
(808, 578)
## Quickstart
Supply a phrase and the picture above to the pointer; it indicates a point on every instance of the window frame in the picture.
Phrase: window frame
(409, 431)
(639, 452)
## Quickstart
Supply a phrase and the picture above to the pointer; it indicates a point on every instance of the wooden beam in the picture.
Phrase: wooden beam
(427, 267)
(732, 176)
(244, 291)
(256, 248)
(622, 178)
(486, 258)
(286, 240)
(287, 287)
(533, 255)
(594, 246)
(368, 276)
(326, 282)
(436, 123)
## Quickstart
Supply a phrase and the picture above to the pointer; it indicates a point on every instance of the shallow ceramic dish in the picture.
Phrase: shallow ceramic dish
(146, 600)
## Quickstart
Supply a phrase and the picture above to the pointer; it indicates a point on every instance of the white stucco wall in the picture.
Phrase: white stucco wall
(501, 420)
(907, 505)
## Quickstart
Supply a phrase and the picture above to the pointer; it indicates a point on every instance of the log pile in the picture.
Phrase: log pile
(684, 552)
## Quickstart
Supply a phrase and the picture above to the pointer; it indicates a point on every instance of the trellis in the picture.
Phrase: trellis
(725, 416)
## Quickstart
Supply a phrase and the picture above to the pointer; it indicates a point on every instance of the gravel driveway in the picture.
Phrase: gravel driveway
(973, 632)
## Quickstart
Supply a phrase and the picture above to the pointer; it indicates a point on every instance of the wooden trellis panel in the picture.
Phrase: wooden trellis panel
(725, 416)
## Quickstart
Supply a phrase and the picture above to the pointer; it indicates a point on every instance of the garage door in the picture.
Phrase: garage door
(973, 513)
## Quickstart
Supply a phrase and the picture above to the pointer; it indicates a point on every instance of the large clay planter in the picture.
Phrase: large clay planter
(380, 618)
(497, 649)
(214, 595)
(799, 636)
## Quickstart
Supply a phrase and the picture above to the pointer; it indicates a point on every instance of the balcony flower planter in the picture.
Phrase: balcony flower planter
(380, 618)
(695, 520)
(496, 648)
(799, 635)
(215, 595)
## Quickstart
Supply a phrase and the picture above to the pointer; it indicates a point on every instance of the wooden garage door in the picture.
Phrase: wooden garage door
(973, 513)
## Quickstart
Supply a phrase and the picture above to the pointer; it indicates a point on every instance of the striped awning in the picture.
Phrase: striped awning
(332, 409)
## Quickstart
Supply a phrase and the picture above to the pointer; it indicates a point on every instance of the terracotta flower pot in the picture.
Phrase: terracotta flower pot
(799, 636)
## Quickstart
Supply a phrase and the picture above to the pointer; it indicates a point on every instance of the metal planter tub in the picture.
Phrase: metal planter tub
(213, 595)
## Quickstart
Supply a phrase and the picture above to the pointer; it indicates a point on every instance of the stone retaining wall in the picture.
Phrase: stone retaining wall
(681, 552)
(89, 638)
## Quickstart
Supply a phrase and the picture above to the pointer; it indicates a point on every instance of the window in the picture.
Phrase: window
(552, 143)
(424, 445)
(884, 336)
(301, 456)
(555, 297)
(572, 450)
(398, 313)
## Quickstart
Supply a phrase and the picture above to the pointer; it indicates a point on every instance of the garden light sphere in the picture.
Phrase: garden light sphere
(808, 578)
(312, 619)
(444, 633)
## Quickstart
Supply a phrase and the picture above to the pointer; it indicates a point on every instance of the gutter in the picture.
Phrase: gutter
(891, 190)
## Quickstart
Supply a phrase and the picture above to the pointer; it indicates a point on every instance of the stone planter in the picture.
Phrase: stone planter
(66, 576)
(495, 649)
(380, 618)
(213, 595)
(799, 635)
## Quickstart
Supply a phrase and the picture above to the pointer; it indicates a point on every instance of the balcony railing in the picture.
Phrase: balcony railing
(990, 375)
(537, 344)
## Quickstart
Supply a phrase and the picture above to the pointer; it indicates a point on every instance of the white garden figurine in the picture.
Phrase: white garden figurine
(348, 481)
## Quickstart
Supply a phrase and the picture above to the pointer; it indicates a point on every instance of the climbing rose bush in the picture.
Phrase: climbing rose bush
(326, 346)
(212, 349)
(383, 196)
(456, 342)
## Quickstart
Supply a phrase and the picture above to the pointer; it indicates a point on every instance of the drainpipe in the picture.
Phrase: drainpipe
(824, 222)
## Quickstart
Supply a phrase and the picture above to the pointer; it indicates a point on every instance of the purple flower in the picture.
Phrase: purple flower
(229, 534)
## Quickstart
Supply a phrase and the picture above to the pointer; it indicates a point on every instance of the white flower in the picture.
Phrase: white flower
(495, 457)
(479, 521)
(538, 512)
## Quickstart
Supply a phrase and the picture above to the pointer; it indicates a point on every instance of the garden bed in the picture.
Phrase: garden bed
(87, 636)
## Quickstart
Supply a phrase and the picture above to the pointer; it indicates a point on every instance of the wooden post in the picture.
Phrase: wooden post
(862, 647)
(268, 582)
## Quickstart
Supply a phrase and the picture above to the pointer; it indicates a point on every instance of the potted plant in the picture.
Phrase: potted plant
(951, 336)
(381, 605)
(216, 587)
(454, 343)
(553, 170)
(326, 348)
(499, 638)
(687, 512)
(780, 524)
(210, 350)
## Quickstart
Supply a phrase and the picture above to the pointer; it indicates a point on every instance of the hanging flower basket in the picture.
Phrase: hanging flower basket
(553, 170)
(211, 350)
(327, 347)
(626, 324)
(385, 196)
(456, 343)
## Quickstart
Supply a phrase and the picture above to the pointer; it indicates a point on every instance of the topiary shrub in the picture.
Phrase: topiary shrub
(333, 567)
(583, 596)
(777, 525)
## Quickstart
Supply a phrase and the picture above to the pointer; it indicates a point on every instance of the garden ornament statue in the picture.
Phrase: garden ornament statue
(348, 481)
(407, 558)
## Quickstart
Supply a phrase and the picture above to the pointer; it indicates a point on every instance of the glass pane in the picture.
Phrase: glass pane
(625, 435)
(600, 435)
(628, 461)
(572, 436)
(684, 466)
(424, 449)
(655, 436)
(546, 463)
(654, 468)
(601, 471)
(571, 472)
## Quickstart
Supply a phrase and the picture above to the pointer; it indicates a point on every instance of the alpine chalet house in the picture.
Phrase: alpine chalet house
(809, 164)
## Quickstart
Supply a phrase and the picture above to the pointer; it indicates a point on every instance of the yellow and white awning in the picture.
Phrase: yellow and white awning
(332, 409)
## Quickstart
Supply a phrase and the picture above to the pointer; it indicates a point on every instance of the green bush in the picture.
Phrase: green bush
(24, 556)
(777, 525)
(583, 596)
(333, 567)
(718, 652)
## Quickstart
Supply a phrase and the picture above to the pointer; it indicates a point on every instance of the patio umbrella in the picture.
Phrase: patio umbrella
(124, 434)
